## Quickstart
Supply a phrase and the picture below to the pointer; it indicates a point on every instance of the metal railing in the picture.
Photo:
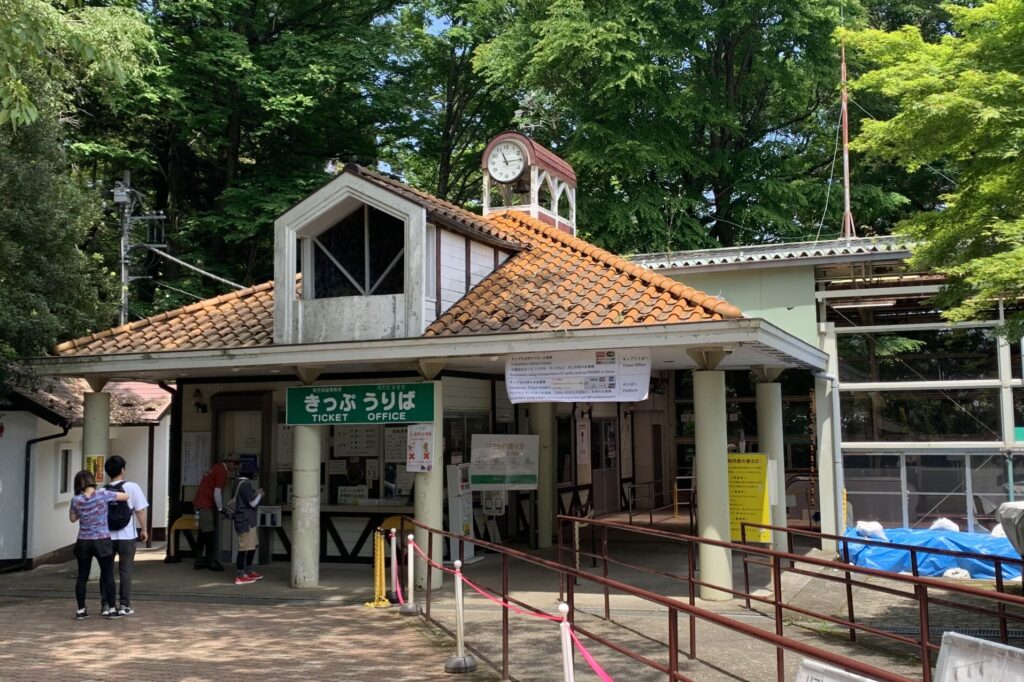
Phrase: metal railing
(569, 576)
(631, 498)
(914, 551)
(916, 589)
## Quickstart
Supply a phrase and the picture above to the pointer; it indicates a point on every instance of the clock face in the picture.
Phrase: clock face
(506, 162)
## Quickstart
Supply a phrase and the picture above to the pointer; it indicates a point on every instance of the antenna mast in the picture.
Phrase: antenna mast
(848, 228)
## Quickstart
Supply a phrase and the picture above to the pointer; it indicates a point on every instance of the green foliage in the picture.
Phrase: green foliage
(689, 124)
(960, 104)
(46, 53)
(443, 111)
(51, 288)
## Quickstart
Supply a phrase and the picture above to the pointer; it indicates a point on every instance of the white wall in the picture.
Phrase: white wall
(453, 268)
(50, 529)
(783, 295)
(18, 428)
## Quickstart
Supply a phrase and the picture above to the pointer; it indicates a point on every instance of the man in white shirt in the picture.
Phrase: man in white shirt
(124, 537)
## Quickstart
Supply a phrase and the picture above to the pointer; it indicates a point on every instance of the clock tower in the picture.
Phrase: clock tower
(521, 175)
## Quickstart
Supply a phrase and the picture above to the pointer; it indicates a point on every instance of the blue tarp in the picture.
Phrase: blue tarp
(898, 560)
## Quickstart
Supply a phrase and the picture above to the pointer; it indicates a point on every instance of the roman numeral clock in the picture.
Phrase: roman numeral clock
(521, 175)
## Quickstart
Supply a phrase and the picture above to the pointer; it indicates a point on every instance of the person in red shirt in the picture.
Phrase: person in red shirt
(209, 501)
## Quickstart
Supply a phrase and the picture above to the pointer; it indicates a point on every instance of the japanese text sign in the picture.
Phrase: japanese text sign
(575, 376)
(366, 404)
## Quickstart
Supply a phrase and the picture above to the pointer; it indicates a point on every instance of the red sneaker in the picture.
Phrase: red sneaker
(253, 575)
(243, 580)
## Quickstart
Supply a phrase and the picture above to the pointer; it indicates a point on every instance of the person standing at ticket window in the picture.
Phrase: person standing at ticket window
(209, 502)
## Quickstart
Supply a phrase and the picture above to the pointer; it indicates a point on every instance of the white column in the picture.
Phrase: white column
(712, 469)
(429, 500)
(306, 506)
(828, 459)
(96, 424)
(542, 423)
(769, 440)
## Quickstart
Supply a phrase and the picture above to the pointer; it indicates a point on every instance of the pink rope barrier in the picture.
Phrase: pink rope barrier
(594, 665)
(587, 656)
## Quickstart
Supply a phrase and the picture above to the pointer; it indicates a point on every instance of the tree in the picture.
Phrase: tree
(446, 111)
(52, 283)
(689, 123)
(960, 103)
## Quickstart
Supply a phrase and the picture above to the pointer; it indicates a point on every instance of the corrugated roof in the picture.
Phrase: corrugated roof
(767, 253)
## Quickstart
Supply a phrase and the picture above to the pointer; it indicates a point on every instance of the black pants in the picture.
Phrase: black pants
(124, 550)
(103, 551)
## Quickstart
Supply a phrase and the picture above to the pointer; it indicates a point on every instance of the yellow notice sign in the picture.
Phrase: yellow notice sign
(748, 495)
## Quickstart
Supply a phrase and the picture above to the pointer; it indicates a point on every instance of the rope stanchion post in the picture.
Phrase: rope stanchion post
(392, 594)
(568, 671)
(461, 662)
(409, 608)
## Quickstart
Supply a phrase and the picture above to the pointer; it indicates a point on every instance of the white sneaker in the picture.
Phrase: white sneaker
(125, 610)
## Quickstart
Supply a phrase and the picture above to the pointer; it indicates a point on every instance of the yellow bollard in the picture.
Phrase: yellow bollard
(379, 598)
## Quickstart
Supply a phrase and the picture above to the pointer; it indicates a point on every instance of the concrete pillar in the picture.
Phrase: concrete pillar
(712, 469)
(542, 423)
(96, 424)
(429, 502)
(769, 441)
(828, 460)
(306, 506)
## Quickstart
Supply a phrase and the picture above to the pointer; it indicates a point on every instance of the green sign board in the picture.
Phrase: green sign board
(366, 404)
(1018, 434)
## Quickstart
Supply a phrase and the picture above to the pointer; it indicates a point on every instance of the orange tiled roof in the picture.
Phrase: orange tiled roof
(236, 320)
(443, 213)
(563, 282)
(552, 281)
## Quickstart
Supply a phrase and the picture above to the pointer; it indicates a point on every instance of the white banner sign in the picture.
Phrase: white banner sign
(814, 671)
(601, 376)
(969, 658)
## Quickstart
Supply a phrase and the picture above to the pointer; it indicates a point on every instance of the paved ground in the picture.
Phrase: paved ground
(196, 625)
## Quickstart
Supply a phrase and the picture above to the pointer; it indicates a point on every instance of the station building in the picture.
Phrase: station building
(827, 357)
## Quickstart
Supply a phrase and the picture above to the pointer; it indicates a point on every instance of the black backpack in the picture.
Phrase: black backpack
(119, 514)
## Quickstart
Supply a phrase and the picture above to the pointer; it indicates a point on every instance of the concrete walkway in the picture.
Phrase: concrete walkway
(197, 625)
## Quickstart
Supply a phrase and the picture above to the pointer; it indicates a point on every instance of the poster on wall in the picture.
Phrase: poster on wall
(419, 442)
(504, 462)
(285, 447)
(748, 495)
(579, 376)
(362, 440)
(460, 506)
(583, 441)
(195, 456)
(94, 465)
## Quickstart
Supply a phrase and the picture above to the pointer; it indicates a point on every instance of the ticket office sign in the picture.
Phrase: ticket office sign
(579, 376)
(362, 404)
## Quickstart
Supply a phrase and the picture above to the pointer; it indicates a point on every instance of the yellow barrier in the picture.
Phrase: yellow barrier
(379, 599)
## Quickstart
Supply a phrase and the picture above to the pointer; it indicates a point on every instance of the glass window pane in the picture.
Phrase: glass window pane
(931, 355)
(345, 242)
(873, 488)
(387, 239)
(968, 415)
(936, 487)
(988, 484)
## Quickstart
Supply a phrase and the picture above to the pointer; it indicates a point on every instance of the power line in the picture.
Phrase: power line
(182, 263)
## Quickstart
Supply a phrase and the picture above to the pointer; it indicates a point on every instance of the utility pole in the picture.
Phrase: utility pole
(848, 229)
(125, 199)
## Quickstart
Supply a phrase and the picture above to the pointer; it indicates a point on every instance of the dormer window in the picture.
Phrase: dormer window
(361, 255)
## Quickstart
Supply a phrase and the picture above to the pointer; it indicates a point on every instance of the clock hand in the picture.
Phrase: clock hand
(505, 158)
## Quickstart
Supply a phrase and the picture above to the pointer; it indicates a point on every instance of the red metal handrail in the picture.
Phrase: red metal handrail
(919, 585)
(569, 576)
